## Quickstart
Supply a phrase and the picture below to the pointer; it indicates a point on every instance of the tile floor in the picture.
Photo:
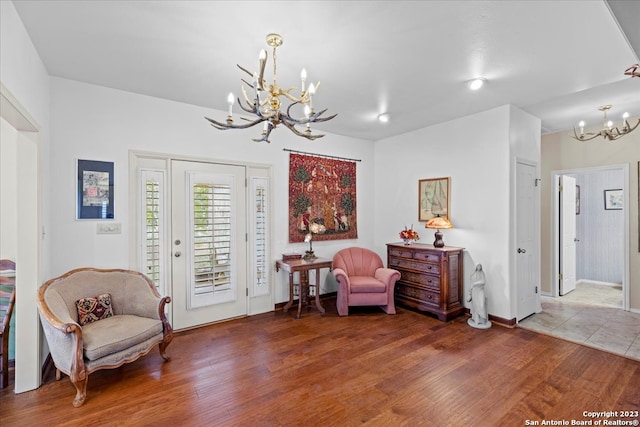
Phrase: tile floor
(591, 315)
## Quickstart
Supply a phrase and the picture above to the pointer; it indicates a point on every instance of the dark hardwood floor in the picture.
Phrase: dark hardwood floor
(366, 369)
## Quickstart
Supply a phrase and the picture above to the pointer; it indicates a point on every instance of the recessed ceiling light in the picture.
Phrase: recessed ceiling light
(383, 117)
(476, 83)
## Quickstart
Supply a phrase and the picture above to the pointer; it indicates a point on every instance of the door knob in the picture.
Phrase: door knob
(177, 254)
(521, 251)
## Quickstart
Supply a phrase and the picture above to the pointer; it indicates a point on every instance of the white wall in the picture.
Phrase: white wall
(474, 152)
(97, 123)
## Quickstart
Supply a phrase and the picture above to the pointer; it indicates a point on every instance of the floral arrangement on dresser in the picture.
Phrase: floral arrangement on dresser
(409, 235)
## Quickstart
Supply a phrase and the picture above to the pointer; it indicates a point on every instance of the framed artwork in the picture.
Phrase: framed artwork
(577, 200)
(613, 199)
(94, 190)
(433, 198)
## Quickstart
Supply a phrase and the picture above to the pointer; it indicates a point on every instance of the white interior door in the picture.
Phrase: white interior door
(527, 253)
(567, 234)
(209, 247)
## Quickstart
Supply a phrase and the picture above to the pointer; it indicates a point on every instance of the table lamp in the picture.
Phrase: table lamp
(309, 255)
(438, 222)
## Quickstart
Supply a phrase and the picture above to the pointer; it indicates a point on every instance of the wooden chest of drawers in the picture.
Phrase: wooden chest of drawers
(431, 278)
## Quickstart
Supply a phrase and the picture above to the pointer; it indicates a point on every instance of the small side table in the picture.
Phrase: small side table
(303, 267)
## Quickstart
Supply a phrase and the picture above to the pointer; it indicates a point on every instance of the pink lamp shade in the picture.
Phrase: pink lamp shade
(438, 222)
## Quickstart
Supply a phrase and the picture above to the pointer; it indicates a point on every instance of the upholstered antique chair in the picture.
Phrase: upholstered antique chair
(363, 280)
(100, 319)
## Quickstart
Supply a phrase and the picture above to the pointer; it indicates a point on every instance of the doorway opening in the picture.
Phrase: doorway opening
(575, 316)
(600, 237)
(20, 240)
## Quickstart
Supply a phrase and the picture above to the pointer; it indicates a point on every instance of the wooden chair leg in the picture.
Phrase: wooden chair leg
(166, 340)
(163, 351)
(4, 363)
(81, 391)
(58, 374)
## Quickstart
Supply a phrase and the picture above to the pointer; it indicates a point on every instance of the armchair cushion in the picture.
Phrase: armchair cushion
(117, 333)
(92, 309)
(360, 284)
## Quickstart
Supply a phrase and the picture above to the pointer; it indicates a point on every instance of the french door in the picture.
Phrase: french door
(208, 242)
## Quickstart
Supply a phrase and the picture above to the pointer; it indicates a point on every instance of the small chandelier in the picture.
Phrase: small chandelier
(608, 130)
(266, 101)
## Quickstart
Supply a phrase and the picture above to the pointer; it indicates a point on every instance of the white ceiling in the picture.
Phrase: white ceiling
(557, 60)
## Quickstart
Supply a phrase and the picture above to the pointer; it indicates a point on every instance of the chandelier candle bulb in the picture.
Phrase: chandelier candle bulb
(230, 100)
(312, 91)
(581, 124)
(625, 116)
(303, 78)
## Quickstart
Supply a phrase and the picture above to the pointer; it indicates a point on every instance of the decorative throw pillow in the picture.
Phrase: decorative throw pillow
(94, 309)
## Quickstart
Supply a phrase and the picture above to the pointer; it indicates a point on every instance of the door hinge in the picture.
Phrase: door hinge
(560, 188)
(536, 289)
(247, 289)
(560, 276)
(537, 181)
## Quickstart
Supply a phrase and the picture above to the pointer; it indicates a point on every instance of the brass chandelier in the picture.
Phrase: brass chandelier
(608, 130)
(266, 101)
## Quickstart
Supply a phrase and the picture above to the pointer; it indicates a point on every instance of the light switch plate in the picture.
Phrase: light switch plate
(109, 228)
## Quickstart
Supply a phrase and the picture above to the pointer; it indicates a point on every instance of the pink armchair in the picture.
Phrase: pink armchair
(363, 280)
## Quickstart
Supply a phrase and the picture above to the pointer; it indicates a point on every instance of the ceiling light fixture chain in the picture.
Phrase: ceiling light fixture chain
(267, 106)
(608, 131)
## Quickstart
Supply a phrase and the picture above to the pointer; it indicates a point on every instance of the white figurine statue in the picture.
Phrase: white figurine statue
(479, 317)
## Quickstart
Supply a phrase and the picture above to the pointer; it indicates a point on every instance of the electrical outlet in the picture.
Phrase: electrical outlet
(109, 228)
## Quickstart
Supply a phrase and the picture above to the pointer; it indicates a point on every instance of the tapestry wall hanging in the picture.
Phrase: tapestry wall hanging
(322, 198)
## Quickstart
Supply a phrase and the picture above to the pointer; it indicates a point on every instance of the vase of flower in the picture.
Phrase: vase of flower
(409, 235)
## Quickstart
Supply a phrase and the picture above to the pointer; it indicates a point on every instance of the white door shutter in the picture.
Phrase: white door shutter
(211, 224)
(152, 227)
(259, 228)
